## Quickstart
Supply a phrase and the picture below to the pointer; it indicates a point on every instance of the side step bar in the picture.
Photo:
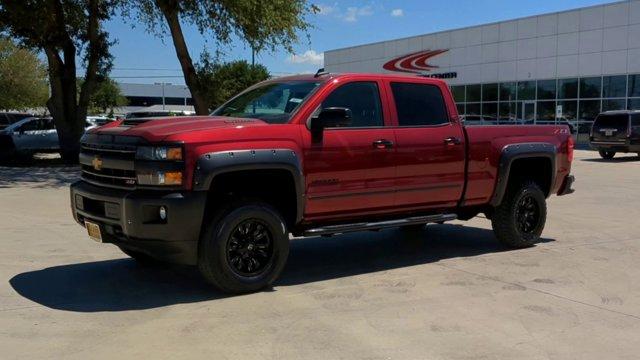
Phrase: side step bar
(345, 228)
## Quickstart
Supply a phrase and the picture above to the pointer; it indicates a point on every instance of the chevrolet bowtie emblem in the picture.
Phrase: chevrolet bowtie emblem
(97, 163)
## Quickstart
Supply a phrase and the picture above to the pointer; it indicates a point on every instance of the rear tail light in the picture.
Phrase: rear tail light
(570, 145)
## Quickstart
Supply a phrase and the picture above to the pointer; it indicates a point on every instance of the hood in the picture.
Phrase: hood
(159, 128)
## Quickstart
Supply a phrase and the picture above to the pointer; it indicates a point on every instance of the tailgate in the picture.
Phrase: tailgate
(610, 128)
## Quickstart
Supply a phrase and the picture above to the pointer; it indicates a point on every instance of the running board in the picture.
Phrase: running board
(345, 228)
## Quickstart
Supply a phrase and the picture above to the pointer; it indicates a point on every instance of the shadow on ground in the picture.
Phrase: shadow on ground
(122, 284)
(39, 173)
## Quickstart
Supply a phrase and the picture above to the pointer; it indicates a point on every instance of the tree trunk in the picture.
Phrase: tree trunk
(170, 11)
(69, 113)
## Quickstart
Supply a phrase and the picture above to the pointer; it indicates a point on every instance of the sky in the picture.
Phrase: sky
(140, 57)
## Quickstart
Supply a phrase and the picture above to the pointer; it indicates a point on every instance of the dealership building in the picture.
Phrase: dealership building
(552, 68)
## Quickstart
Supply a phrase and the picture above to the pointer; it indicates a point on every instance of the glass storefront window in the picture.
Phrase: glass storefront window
(589, 109)
(473, 92)
(460, 108)
(633, 104)
(527, 90)
(473, 109)
(490, 111)
(508, 91)
(613, 104)
(546, 90)
(568, 89)
(614, 86)
(590, 88)
(569, 110)
(634, 85)
(546, 111)
(458, 93)
(508, 111)
(490, 92)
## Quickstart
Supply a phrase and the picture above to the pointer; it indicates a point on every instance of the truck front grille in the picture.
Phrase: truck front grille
(109, 164)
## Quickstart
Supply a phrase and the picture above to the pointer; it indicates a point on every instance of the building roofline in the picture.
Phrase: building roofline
(479, 25)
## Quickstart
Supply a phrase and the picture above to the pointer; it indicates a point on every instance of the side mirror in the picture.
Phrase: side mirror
(330, 117)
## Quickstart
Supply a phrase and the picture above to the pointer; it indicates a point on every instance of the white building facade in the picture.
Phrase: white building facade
(558, 67)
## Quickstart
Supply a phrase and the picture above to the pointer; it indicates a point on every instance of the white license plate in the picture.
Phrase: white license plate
(93, 230)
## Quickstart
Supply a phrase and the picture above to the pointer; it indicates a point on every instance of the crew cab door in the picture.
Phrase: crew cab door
(430, 149)
(350, 170)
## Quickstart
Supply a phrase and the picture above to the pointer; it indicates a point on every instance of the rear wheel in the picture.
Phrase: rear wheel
(607, 154)
(244, 248)
(519, 220)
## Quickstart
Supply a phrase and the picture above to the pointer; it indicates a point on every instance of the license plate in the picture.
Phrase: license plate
(94, 231)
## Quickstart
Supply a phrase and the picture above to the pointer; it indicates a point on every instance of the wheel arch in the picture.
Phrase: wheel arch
(522, 159)
(268, 165)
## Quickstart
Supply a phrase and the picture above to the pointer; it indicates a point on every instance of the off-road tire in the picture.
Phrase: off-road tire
(505, 217)
(216, 244)
(606, 154)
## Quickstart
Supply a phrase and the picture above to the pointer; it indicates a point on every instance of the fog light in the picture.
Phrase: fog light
(163, 213)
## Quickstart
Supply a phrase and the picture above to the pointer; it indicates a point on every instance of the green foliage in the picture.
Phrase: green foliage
(23, 82)
(106, 96)
(265, 25)
(221, 81)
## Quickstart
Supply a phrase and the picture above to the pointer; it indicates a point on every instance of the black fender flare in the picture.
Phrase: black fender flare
(210, 165)
(513, 152)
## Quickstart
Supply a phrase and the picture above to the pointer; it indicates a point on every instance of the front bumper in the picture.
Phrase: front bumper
(129, 219)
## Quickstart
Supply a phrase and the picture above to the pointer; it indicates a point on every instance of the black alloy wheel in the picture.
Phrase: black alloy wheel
(250, 248)
(527, 214)
(244, 247)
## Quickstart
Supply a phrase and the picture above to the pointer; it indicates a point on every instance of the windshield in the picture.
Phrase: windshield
(273, 102)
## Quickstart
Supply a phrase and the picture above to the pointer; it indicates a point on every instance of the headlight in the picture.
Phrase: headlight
(168, 178)
(159, 153)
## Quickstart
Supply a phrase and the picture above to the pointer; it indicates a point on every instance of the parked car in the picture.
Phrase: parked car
(616, 131)
(311, 155)
(8, 118)
(30, 135)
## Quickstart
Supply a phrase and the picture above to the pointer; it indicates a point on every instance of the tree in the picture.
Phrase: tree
(220, 81)
(262, 24)
(106, 97)
(23, 78)
(64, 30)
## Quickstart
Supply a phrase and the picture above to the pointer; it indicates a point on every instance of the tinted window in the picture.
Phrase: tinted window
(634, 85)
(474, 92)
(507, 91)
(458, 93)
(614, 86)
(31, 125)
(362, 98)
(635, 120)
(490, 92)
(619, 122)
(567, 88)
(590, 87)
(527, 90)
(419, 104)
(547, 89)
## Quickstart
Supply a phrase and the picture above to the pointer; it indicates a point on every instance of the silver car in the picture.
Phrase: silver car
(32, 134)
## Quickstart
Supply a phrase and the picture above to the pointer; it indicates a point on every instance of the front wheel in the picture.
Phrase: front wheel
(607, 154)
(519, 220)
(244, 248)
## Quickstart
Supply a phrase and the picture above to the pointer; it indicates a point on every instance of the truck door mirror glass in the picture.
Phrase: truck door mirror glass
(331, 117)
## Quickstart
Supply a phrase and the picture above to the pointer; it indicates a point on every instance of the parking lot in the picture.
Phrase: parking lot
(449, 292)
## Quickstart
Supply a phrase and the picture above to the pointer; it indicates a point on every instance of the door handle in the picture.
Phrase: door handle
(452, 140)
(383, 144)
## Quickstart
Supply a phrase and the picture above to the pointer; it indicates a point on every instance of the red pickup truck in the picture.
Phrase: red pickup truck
(310, 155)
